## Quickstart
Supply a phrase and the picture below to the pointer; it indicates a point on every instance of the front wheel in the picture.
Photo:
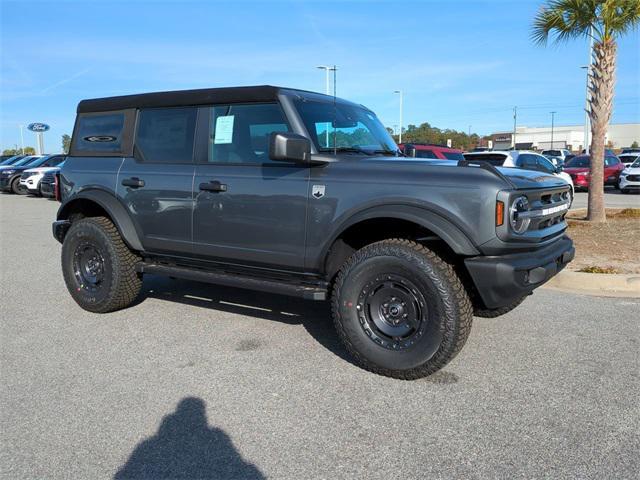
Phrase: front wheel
(400, 310)
(98, 268)
(17, 188)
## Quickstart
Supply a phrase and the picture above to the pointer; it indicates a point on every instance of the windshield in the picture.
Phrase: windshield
(496, 159)
(24, 161)
(345, 127)
(579, 162)
(636, 164)
(552, 153)
(10, 160)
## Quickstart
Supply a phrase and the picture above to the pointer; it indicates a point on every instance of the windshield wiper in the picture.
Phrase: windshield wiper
(384, 151)
(352, 150)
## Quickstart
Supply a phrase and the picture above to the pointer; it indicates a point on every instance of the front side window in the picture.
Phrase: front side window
(166, 135)
(241, 133)
(100, 133)
(344, 127)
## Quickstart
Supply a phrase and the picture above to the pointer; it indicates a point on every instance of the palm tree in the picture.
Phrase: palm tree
(604, 21)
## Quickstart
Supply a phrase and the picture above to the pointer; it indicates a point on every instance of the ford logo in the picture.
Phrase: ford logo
(38, 127)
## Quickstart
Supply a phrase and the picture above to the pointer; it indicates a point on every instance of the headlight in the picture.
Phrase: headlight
(8, 172)
(519, 222)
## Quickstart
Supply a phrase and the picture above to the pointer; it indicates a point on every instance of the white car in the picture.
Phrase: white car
(524, 159)
(629, 158)
(30, 179)
(557, 157)
(629, 180)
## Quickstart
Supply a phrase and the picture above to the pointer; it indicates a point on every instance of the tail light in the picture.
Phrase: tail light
(56, 187)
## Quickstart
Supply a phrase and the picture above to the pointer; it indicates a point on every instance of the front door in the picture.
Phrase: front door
(156, 185)
(248, 209)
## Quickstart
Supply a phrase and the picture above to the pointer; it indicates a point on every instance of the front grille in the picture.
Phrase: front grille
(547, 208)
(633, 178)
(48, 178)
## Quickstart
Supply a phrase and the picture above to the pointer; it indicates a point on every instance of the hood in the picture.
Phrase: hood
(41, 169)
(576, 169)
(517, 177)
(631, 171)
(531, 179)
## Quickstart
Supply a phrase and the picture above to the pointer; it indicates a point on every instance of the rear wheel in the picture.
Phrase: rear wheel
(98, 268)
(400, 310)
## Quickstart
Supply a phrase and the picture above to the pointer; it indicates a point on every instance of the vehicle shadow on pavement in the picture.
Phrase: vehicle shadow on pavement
(314, 316)
(186, 447)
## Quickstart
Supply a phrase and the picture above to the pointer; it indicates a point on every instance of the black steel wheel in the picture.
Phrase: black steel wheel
(98, 267)
(400, 310)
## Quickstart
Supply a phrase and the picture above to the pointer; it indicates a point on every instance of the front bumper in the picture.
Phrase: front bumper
(31, 183)
(500, 280)
(47, 189)
(5, 184)
(627, 184)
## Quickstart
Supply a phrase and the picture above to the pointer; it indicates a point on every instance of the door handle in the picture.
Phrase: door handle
(214, 186)
(133, 182)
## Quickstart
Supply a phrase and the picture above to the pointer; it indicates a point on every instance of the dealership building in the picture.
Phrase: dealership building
(619, 135)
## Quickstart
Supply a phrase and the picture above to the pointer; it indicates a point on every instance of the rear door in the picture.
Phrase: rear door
(156, 183)
(248, 208)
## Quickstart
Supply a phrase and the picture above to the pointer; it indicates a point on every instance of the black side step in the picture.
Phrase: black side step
(235, 280)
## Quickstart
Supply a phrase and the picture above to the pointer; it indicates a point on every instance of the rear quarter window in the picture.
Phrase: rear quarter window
(103, 133)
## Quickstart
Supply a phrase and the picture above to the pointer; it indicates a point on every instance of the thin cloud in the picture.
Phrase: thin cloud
(65, 80)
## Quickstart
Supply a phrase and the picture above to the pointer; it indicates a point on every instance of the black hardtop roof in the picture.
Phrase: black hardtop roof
(203, 96)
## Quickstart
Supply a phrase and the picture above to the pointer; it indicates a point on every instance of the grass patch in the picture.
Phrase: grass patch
(595, 269)
(626, 213)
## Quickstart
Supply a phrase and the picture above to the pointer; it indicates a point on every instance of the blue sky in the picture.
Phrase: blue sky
(459, 63)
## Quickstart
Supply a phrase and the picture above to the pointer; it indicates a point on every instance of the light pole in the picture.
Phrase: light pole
(515, 120)
(22, 137)
(401, 101)
(327, 69)
(552, 116)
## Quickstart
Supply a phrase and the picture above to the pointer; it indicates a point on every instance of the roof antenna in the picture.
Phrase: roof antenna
(335, 112)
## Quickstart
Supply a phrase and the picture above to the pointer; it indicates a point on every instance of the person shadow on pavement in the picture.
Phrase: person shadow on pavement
(186, 447)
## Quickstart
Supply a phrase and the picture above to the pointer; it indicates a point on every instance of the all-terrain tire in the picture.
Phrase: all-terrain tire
(479, 311)
(98, 267)
(433, 292)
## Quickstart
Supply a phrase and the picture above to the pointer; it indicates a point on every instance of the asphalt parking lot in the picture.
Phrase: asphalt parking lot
(613, 199)
(198, 381)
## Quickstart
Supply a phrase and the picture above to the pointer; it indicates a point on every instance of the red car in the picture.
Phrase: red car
(427, 150)
(580, 168)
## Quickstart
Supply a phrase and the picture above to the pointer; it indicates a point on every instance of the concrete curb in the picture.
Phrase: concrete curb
(596, 284)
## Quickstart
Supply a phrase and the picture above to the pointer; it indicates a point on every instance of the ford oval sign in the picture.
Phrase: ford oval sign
(38, 127)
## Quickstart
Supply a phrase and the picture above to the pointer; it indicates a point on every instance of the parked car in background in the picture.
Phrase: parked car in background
(30, 178)
(631, 150)
(580, 170)
(428, 150)
(557, 157)
(5, 157)
(630, 178)
(10, 177)
(49, 182)
(17, 161)
(524, 159)
(628, 158)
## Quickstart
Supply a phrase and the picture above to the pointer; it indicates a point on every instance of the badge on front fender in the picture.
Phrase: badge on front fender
(317, 191)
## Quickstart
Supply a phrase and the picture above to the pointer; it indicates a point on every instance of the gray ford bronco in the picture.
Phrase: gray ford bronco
(302, 194)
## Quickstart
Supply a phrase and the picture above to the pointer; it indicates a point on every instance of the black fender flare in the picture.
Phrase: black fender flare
(444, 228)
(108, 202)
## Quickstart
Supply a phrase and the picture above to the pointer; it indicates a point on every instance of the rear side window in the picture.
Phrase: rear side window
(453, 155)
(166, 135)
(100, 132)
(425, 154)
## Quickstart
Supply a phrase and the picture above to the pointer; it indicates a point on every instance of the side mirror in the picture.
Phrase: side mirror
(289, 147)
(559, 168)
(409, 150)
